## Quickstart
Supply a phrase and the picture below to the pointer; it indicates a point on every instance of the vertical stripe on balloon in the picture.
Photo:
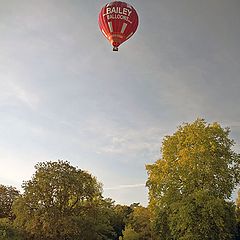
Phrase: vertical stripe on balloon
(110, 26)
(123, 27)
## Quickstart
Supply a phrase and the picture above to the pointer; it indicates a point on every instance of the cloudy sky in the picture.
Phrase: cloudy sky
(66, 95)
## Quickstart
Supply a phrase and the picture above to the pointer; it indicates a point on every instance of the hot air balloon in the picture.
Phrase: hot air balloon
(118, 21)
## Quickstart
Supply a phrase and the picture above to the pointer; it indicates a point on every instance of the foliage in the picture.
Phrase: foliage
(120, 219)
(238, 214)
(130, 234)
(8, 231)
(238, 200)
(7, 197)
(99, 224)
(196, 174)
(202, 216)
(59, 202)
(139, 221)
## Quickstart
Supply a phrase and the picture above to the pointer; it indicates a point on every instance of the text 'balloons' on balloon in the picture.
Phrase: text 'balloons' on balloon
(118, 21)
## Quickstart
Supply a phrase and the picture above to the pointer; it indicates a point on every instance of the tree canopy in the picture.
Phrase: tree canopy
(57, 202)
(197, 172)
(7, 196)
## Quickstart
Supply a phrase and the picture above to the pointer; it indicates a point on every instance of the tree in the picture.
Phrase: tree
(8, 231)
(196, 174)
(101, 221)
(238, 214)
(120, 219)
(130, 234)
(202, 216)
(7, 197)
(58, 202)
(139, 221)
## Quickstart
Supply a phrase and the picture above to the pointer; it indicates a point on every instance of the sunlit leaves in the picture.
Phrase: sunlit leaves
(7, 197)
(54, 199)
(197, 158)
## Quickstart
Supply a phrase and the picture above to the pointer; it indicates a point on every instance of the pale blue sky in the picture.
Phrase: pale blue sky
(66, 95)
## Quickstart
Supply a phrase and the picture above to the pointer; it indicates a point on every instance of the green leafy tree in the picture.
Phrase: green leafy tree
(7, 197)
(8, 231)
(130, 234)
(120, 219)
(139, 221)
(59, 202)
(202, 216)
(190, 183)
(100, 221)
(238, 214)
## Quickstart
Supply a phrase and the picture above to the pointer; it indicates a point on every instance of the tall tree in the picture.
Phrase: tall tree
(196, 174)
(7, 197)
(58, 202)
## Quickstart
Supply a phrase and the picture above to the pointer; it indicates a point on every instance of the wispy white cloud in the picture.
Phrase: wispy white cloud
(147, 148)
(125, 186)
(129, 141)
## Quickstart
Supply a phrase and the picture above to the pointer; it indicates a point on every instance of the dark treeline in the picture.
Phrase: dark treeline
(190, 190)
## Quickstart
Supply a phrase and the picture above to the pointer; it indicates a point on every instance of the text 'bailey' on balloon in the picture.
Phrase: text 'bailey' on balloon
(118, 21)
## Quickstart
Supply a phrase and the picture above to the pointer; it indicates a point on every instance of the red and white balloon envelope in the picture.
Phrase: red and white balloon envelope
(118, 21)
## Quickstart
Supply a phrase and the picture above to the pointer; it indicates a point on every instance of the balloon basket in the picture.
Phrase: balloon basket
(115, 49)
